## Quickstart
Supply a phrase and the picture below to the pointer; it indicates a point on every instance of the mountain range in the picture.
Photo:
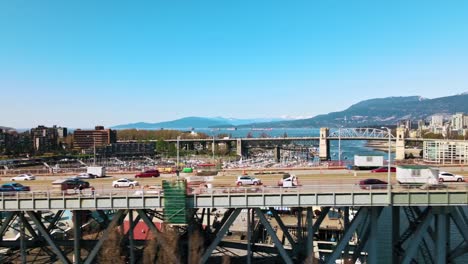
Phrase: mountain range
(198, 122)
(372, 112)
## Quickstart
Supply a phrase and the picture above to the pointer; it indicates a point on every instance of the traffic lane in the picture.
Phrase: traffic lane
(218, 181)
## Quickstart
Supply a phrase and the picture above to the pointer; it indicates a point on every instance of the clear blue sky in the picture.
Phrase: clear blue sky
(82, 63)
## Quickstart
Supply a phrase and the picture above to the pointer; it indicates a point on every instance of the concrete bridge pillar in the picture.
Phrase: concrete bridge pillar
(240, 150)
(400, 144)
(324, 144)
(277, 154)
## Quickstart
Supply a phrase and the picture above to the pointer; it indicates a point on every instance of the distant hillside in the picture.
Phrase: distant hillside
(6, 128)
(381, 111)
(197, 122)
(186, 122)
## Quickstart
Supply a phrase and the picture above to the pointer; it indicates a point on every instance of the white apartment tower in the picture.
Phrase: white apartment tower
(437, 120)
(458, 121)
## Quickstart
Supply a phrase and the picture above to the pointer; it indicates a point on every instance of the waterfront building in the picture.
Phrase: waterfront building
(99, 137)
(445, 152)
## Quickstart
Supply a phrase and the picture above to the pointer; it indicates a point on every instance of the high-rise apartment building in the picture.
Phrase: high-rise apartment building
(44, 138)
(437, 120)
(458, 121)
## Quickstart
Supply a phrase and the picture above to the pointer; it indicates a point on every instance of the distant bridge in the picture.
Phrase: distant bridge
(323, 140)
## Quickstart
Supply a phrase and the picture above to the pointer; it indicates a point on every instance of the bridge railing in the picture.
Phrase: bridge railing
(305, 189)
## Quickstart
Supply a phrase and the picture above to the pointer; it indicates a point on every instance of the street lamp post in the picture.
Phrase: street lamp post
(94, 150)
(178, 139)
(339, 146)
(213, 148)
(389, 156)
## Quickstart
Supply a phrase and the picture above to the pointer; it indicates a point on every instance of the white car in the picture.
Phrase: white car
(24, 177)
(447, 176)
(248, 180)
(124, 182)
(85, 175)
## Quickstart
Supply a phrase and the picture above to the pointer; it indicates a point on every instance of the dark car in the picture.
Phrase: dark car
(148, 174)
(384, 169)
(373, 184)
(74, 183)
(14, 187)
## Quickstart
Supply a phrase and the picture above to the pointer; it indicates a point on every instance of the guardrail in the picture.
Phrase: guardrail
(253, 189)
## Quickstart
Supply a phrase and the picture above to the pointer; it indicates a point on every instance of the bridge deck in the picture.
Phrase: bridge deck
(343, 195)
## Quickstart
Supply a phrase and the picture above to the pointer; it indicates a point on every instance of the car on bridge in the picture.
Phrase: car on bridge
(14, 187)
(447, 176)
(148, 174)
(73, 183)
(248, 180)
(124, 182)
(369, 184)
(384, 169)
(24, 177)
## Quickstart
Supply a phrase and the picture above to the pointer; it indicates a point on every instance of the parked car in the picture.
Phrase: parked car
(85, 175)
(71, 183)
(248, 180)
(124, 182)
(24, 177)
(384, 169)
(14, 186)
(148, 174)
(447, 176)
(372, 184)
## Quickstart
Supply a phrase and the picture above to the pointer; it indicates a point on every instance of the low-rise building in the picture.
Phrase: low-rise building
(99, 137)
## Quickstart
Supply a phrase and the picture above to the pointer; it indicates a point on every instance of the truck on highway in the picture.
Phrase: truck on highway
(367, 162)
(417, 174)
(98, 172)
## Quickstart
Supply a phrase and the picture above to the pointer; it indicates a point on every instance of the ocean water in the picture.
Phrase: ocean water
(348, 147)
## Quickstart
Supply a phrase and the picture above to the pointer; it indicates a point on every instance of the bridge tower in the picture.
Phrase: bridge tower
(400, 143)
(324, 144)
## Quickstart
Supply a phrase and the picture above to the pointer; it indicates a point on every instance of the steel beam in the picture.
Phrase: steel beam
(461, 223)
(418, 237)
(361, 214)
(273, 235)
(54, 221)
(22, 242)
(395, 211)
(219, 235)
(249, 238)
(310, 237)
(363, 239)
(442, 220)
(77, 235)
(459, 251)
(322, 216)
(6, 223)
(43, 232)
(131, 238)
(159, 238)
(283, 227)
(374, 223)
(92, 255)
